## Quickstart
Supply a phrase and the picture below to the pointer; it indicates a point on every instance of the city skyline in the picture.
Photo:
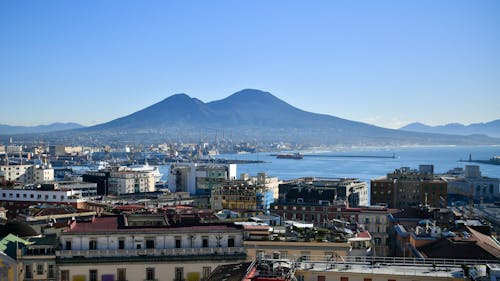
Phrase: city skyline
(386, 63)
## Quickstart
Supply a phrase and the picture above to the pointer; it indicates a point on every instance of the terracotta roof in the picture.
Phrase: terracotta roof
(364, 234)
(115, 224)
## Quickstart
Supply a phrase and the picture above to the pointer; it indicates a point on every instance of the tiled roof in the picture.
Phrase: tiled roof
(477, 246)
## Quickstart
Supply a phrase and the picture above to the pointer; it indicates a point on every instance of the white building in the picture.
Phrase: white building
(146, 247)
(473, 183)
(28, 174)
(199, 178)
(127, 182)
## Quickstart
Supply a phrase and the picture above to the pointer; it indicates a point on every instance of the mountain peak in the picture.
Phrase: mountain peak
(178, 97)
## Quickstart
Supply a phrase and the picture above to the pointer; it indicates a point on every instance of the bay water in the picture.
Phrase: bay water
(443, 158)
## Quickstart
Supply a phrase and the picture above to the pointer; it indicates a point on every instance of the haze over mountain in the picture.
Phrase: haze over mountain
(491, 128)
(7, 129)
(248, 115)
(254, 115)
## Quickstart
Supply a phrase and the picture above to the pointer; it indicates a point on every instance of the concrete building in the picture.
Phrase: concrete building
(324, 191)
(473, 184)
(250, 193)
(27, 174)
(16, 199)
(405, 188)
(147, 247)
(127, 182)
(199, 178)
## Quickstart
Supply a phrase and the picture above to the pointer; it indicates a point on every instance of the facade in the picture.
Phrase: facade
(146, 247)
(405, 188)
(27, 174)
(38, 259)
(15, 200)
(248, 193)
(198, 178)
(292, 250)
(127, 182)
(473, 184)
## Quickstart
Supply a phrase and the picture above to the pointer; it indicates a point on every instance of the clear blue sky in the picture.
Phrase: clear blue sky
(383, 62)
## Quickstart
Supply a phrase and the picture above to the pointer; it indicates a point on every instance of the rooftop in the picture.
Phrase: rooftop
(117, 224)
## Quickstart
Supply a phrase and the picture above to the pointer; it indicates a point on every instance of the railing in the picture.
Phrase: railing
(150, 252)
(401, 260)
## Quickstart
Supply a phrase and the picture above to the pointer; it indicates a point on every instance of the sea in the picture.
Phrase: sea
(364, 166)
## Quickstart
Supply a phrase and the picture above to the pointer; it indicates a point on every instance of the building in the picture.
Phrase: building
(324, 191)
(247, 193)
(16, 199)
(27, 174)
(127, 182)
(57, 150)
(405, 188)
(199, 178)
(308, 250)
(100, 178)
(472, 184)
(147, 247)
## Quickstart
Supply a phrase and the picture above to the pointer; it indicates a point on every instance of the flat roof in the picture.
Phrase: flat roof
(384, 269)
(112, 224)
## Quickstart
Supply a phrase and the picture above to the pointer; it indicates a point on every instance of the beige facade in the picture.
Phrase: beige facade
(377, 224)
(167, 269)
(125, 182)
(292, 250)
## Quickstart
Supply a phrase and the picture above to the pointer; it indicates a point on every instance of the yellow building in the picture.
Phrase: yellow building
(292, 250)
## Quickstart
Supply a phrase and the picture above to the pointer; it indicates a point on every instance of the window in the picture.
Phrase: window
(93, 275)
(39, 268)
(51, 272)
(178, 243)
(64, 275)
(323, 278)
(205, 242)
(230, 242)
(29, 273)
(150, 244)
(121, 244)
(92, 245)
(68, 245)
(121, 274)
(344, 278)
(206, 272)
(150, 273)
(179, 273)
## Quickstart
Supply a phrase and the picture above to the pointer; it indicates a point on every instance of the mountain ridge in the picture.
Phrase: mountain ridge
(248, 115)
(53, 127)
(491, 128)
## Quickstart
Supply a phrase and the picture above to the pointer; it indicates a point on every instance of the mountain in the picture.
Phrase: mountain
(489, 128)
(248, 115)
(7, 130)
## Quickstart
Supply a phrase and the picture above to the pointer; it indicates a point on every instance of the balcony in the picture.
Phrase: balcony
(149, 252)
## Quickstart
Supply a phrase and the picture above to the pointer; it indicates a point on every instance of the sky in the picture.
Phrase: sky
(387, 63)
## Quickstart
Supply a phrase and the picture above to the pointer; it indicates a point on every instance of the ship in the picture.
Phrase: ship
(296, 156)
(147, 168)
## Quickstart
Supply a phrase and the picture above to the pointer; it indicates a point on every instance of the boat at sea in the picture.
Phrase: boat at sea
(296, 156)
(147, 168)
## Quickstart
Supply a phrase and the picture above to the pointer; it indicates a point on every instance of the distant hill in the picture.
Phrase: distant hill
(13, 130)
(491, 129)
(248, 115)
